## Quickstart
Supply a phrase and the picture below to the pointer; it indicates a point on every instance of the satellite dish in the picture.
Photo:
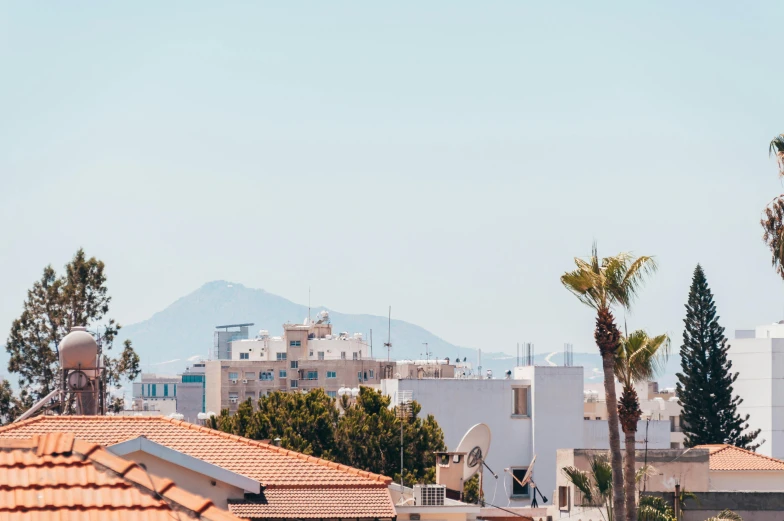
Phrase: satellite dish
(528, 473)
(476, 445)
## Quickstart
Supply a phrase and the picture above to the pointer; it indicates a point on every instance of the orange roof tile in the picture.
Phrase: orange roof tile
(280, 502)
(55, 477)
(269, 465)
(729, 457)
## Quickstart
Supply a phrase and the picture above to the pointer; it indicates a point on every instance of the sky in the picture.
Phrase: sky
(449, 159)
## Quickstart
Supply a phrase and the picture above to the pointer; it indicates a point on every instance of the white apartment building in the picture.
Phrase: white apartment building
(535, 412)
(661, 415)
(757, 355)
(155, 393)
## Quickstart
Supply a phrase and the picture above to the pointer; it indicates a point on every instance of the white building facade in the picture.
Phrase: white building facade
(536, 412)
(757, 355)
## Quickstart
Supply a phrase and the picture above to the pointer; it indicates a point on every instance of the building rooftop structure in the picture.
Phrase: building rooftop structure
(262, 479)
(54, 476)
(725, 457)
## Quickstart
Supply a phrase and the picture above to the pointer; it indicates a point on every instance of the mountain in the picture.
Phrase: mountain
(183, 332)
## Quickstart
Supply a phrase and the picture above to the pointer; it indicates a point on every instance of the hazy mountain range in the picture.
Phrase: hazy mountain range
(183, 332)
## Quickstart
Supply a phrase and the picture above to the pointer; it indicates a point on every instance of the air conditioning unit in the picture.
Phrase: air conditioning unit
(429, 495)
(234, 381)
(233, 400)
(244, 381)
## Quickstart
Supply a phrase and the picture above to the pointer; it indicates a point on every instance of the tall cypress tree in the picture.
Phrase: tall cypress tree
(705, 384)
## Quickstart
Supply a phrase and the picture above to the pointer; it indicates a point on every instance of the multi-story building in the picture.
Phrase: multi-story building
(155, 393)
(191, 392)
(221, 347)
(307, 356)
(757, 355)
(660, 410)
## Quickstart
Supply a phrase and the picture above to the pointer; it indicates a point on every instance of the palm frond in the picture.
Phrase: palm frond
(601, 471)
(776, 148)
(640, 357)
(652, 508)
(633, 279)
(645, 470)
(725, 515)
(581, 481)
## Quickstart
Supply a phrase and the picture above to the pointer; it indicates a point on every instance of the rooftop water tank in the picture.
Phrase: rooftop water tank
(78, 349)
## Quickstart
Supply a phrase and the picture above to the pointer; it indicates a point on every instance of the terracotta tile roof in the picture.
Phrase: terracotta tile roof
(265, 463)
(729, 457)
(311, 503)
(55, 477)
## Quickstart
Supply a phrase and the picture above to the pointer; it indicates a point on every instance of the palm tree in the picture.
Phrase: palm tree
(596, 486)
(776, 148)
(638, 359)
(773, 217)
(601, 284)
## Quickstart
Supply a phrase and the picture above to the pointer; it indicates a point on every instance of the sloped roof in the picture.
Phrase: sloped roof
(268, 464)
(729, 457)
(322, 503)
(55, 477)
(295, 485)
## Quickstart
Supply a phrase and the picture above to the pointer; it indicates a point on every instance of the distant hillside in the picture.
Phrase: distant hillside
(184, 330)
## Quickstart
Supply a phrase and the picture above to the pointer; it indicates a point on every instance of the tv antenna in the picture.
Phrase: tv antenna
(388, 343)
(528, 479)
(427, 353)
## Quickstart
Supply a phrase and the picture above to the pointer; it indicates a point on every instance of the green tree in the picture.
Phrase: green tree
(602, 283)
(365, 436)
(704, 386)
(55, 304)
(368, 438)
(638, 359)
(471, 492)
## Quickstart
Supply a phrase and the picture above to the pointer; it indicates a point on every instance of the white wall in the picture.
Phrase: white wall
(554, 421)
(759, 362)
(596, 435)
(557, 399)
(747, 481)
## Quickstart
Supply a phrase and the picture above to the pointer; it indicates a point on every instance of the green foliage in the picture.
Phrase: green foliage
(725, 515)
(596, 485)
(471, 492)
(56, 303)
(704, 386)
(653, 508)
(366, 436)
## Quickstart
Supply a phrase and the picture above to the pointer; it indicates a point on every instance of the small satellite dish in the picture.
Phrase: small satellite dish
(528, 473)
(476, 445)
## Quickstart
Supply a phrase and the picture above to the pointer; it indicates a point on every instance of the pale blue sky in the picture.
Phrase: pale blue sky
(447, 158)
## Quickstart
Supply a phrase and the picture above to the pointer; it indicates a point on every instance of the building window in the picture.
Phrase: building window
(675, 424)
(332, 394)
(234, 395)
(372, 374)
(321, 355)
(295, 343)
(517, 490)
(310, 354)
(332, 374)
(520, 401)
(294, 384)
(282, 373)
(266, 375)
(244, 356)
(312, 375)
(234, 376)
(355, 355)
(154, 391)
(294, 364)
(166, 389)
(342, 355)
(586, 417)
(675, 445)
(359, 375)
(250, 394)
(280, 356)
(563, 498)
(250, 376)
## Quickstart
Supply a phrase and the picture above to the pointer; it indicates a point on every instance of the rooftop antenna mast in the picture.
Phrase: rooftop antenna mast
(427, 353)
(388, 343)
(309, 305)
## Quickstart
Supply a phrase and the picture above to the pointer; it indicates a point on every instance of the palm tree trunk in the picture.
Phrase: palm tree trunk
(629, 412)
(607, 337)
(629, 476)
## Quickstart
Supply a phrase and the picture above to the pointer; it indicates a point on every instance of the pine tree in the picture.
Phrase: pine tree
(705, 384)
